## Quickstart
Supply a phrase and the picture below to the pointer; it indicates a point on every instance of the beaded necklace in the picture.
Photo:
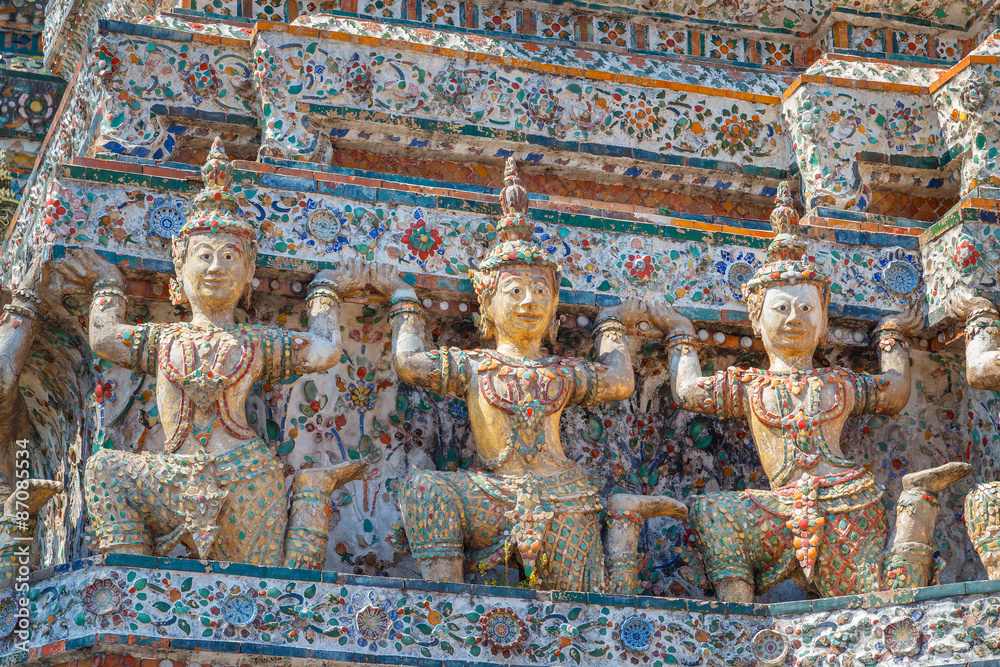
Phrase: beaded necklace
(803, 442)
(207, 383)
(521, 388)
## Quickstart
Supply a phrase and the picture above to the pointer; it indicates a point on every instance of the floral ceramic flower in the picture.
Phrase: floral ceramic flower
(423, 241)
(641, 118)
(640, 267)
(106, 63)
(267, 66)
(967, 254)
(975, 95)
(452, 87)
(358, 79)
(543, 105)
(363, 396)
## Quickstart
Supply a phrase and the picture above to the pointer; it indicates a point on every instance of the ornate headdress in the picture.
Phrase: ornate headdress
(787, 261)
(215, 210)
(215, 207)
(514, 242)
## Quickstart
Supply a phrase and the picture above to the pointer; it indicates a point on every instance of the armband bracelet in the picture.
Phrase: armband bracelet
(681, 339)
(887, 329)
(27, 295)
(138, 346)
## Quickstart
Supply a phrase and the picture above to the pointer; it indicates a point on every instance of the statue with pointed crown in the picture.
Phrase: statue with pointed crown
(529, 505)
(217, 488)
(822, 523)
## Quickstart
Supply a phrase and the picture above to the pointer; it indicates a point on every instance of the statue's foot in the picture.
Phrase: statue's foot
(935, 480)
(648, 506)
(39, 492)
(328, 480)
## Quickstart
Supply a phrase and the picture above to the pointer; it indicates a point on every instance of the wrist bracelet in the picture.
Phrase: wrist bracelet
(324, 282)
(609, 325)
(681, 339)
(406, 298)
(108, 291)
(982, 321)
(976, 312)
(22, 311)
(402, 307)
(109, 282)
(321, 292)
(608, 318)
(27, 295)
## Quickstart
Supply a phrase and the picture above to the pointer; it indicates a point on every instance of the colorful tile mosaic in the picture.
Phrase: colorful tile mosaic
(676, 42)
(498, 19)
(555, 26)
(724, 47)
(947, 48)
(441, 12)
(867, 40)
(394, 625)
(777, 54)
(614, 33)
(624, 151)
(909, 43)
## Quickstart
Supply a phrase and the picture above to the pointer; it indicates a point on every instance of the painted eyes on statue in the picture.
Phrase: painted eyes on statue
(517, 290)
(783, 307)
(228, 256)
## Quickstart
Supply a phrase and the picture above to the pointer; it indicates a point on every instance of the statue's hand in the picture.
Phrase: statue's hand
(84, 267)
(909, 321)
(666, 318)
(385, 279)
(629, 311)
(963, 301)
(349, 276)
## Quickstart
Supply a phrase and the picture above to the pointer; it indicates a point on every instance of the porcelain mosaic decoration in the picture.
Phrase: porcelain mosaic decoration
(434, 333)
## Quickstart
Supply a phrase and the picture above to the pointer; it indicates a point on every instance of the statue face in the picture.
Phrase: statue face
(524, 303)
(792, 319)
(216, 270)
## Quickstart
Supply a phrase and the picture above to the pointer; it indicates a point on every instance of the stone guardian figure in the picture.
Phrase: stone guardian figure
(982, 363)
(823, 522)
(218, 488)
(530, 502)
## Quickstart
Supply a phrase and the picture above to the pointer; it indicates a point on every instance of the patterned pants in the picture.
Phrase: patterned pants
(137, 500)
(467, 515)
(743, 535)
